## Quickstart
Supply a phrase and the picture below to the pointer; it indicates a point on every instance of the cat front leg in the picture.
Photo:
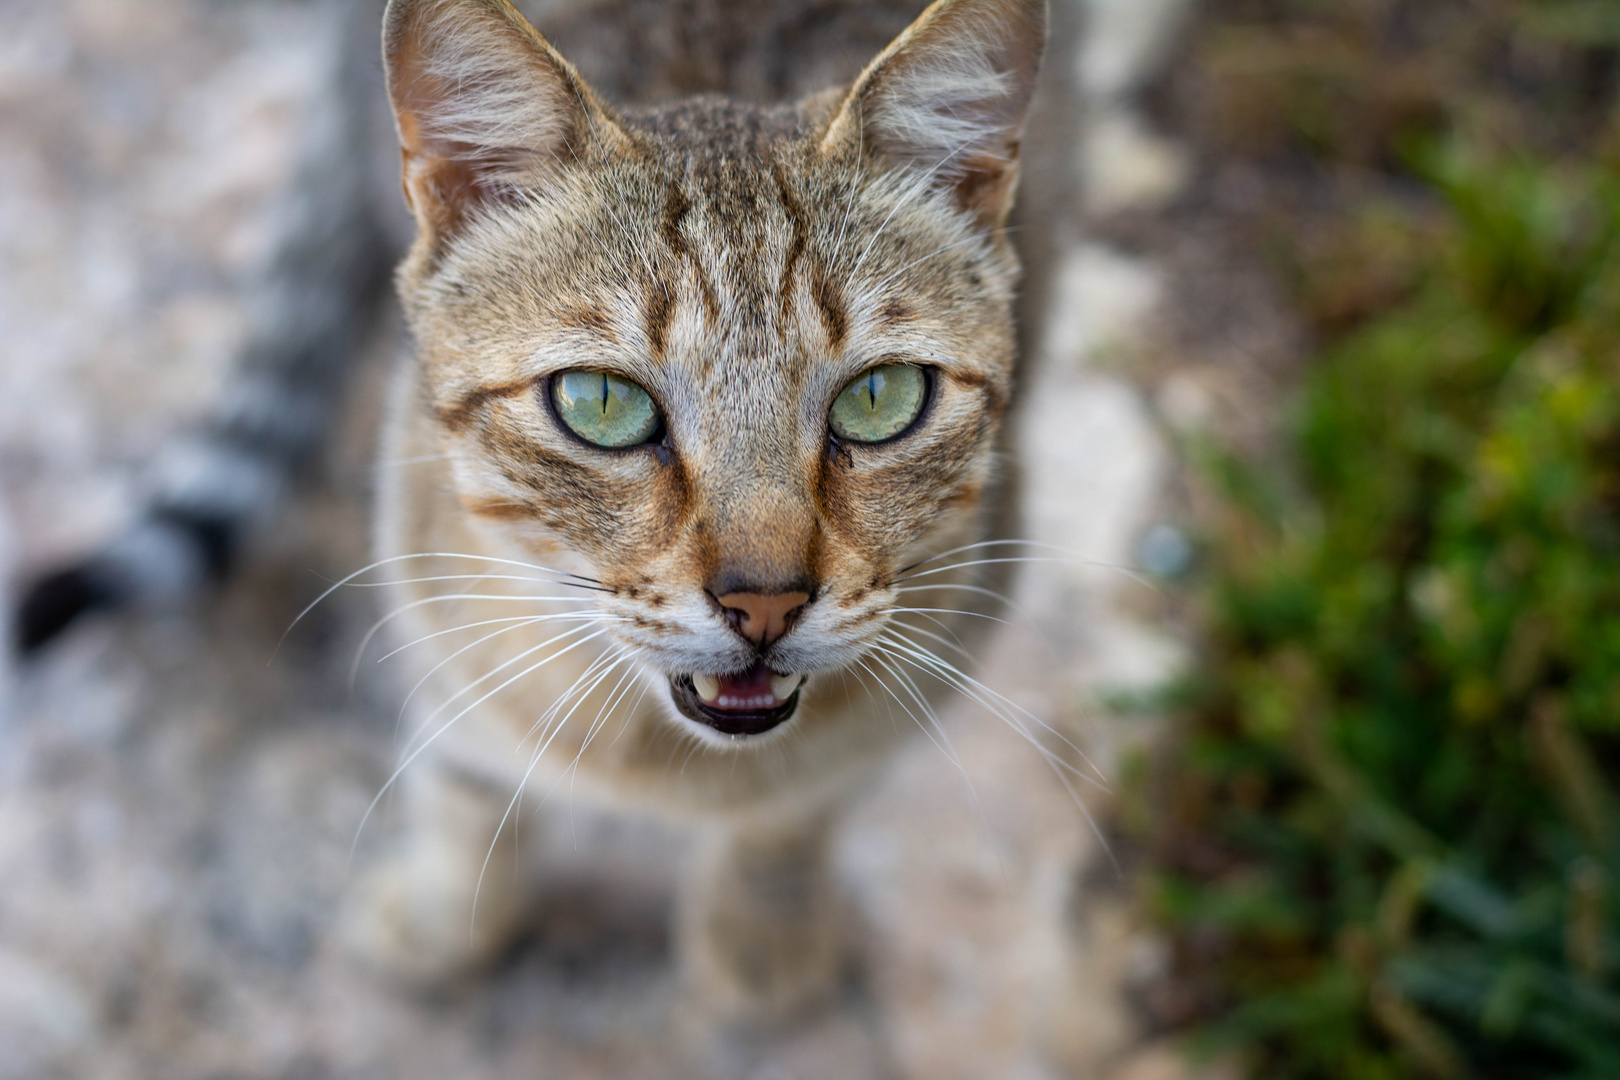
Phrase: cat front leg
(757, 932)
(448, 900)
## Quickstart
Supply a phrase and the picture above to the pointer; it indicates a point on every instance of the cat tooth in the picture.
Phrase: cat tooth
(784, 685)
(707, 687)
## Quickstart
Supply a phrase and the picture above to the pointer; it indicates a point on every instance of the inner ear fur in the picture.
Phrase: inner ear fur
(949, 98)
(483, 104)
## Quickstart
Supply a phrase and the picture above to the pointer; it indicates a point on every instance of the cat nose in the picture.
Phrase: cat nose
(761, 617)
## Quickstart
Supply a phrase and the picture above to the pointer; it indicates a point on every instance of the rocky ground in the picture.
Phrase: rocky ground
(179, 800)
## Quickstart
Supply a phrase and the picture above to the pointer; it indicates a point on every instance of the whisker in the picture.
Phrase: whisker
(897, 700)
(487, 622)
(376, 627)
(446, 726)
(580, 581)
(457, 577)
(951, 611)
(517, 795)
(950, 751)
(1122, 570)
(542, 724)
(434, 670)
(977, 691)
(1068, 556)
(422, 460)
(635, 706)
(1061, 769)
(943, 742)
(1002, 542)
(619, 691)
(502, 667)
(959, 587)
(515, 621)
(955, 645)
(597, 673)
(978, 590)
(405, 704)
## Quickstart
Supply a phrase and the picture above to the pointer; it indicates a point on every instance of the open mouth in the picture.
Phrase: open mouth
(751, 702)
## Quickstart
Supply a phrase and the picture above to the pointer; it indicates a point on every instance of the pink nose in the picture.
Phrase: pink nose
(762, 619)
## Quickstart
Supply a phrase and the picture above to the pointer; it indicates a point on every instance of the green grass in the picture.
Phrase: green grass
(1386, 840)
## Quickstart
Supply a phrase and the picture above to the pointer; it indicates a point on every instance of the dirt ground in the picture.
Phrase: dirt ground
(180, 800)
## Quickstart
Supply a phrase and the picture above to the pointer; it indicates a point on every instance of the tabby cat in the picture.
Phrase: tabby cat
(707, 393)
(704, 418)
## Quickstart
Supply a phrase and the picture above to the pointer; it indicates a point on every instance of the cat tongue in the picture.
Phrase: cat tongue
(750, 689)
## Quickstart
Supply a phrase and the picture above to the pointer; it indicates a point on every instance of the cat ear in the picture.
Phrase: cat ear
(484, 106)
(949, 96)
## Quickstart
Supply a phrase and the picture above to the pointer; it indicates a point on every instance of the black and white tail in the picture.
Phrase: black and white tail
(309, 317)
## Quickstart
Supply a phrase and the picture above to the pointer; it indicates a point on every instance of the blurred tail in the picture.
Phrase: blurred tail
(318, 301)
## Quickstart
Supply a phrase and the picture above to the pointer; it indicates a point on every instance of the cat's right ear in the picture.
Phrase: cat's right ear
(948, 98)
(485, 107)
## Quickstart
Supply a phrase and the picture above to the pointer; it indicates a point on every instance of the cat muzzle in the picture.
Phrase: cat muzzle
(748, 703)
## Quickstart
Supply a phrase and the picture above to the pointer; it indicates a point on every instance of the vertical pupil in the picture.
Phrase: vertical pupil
(604, 394)
(871, 390)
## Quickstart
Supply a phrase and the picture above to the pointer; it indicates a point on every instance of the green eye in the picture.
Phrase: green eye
(604, 409)
(880, 403)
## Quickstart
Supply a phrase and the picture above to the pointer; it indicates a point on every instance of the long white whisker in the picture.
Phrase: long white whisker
(1060, 768)
(1123, 571)
(431, 739)
(597, 672)
(580, 580)
(542, 724)
(1004, 542)
(455, 577)
(950, 749)
(617, 657)
(959, 587)
(587, 620)
(956, 646)
(978, 691)
(526, 619)
(620, 690)
(944, 742)
(490, 675)
(949, 611)
(898, 701)
(446, 598)
(977, 590)
(359, 654)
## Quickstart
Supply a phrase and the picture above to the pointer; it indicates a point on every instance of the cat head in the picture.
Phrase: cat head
(744, 364)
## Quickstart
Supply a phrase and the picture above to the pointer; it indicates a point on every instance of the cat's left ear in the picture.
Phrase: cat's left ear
(949, 97)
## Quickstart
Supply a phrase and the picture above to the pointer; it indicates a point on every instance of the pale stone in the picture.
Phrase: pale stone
(1126, 166)
(1127, 43)
(1101, 298)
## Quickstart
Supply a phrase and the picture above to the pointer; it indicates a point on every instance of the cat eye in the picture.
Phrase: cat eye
(604, 409)
(879, 403)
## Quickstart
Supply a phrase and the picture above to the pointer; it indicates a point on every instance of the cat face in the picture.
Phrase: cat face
(739, 367)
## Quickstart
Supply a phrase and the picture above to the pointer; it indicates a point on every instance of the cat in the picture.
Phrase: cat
(698, 388)
(706, 401)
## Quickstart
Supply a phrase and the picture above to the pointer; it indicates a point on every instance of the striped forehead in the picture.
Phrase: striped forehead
(733, 243)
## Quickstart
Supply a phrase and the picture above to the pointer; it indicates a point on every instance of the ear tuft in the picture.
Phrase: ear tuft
(949, 97)
(483, 105)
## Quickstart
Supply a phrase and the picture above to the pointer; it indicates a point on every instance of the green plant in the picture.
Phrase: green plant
(1387, 839)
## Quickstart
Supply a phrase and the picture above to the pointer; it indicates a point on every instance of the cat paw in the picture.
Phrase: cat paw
(420, 929)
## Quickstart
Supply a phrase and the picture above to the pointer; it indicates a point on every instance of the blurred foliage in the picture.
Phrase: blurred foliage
(1387, 836)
